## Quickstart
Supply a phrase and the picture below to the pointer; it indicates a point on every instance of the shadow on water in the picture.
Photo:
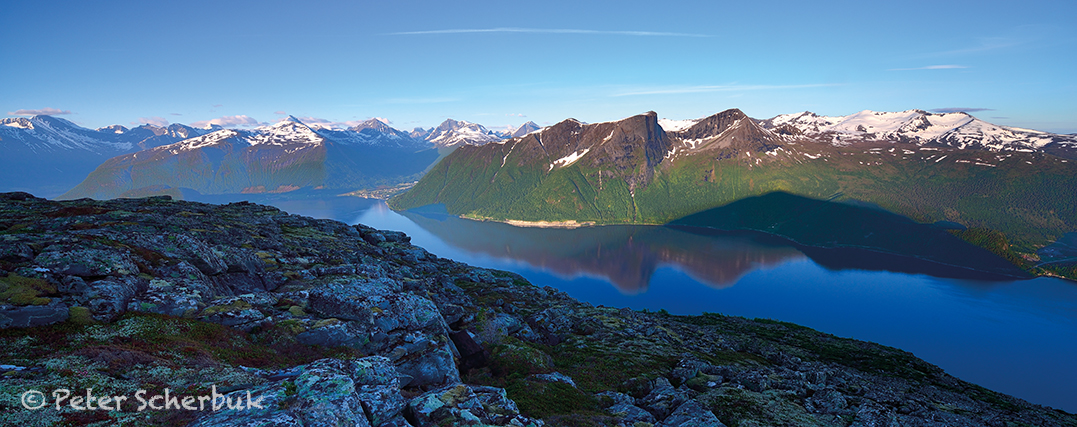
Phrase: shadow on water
(844, 258)
(627, 256)
(847, 236)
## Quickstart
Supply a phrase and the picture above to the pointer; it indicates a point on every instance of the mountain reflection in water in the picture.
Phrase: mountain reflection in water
(1013, 336)
(625, 255)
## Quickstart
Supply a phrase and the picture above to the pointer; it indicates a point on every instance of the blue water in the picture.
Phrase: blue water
(1016, 337)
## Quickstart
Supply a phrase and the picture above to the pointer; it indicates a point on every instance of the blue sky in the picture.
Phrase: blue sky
(501, 63)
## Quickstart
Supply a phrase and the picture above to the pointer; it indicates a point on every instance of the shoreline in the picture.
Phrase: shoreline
(570, 224)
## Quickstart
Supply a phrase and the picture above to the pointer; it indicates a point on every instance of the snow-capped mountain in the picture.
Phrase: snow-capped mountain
(524, 129)
(149, 136)
(285, 156)
(117, 129)
(959, 130)
(285, 132)
(47, 134)
(48, 155)
(420, 133)
(453, 133)
(375, 133)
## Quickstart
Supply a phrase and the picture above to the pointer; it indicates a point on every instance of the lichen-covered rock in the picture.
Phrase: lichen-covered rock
(462, 405)
(107, 299)
(874, 415)
(663, 399)
(691, 414)
(380, 318)
(630, 414)
(241, 310)
(172, 297)
(32, 315)
(13, 251)
(184, 247)
(493, 329)
(338, 333)
(327, 392)
(378, 386)
(72, 260)
(432, 366)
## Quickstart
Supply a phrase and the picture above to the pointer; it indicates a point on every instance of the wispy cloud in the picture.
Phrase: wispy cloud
(176, 114)
(419, 100)
(280, 112)
(41, 112)
(1007, 38)
(715, 88)
(931, 67)
(218, 105)
(548, 31)
(986, 44)
(959, 110)
(156, 121)
(227, 121)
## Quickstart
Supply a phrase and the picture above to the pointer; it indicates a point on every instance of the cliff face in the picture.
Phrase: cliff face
(331, 324)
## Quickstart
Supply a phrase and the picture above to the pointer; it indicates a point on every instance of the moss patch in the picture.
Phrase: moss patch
(80, 316)
(18, 290)
(543, 400)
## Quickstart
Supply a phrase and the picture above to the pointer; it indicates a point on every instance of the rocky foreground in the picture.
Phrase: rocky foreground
(306, 322)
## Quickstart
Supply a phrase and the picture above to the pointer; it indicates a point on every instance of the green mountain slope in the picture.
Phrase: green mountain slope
(1030, 197)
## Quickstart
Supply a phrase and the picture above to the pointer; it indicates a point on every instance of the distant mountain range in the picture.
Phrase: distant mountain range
(283, 157)
(50, 156)
(643, 170)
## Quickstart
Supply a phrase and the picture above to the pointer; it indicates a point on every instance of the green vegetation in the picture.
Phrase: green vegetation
(1026, 203)
(18, 290)
(993, 241)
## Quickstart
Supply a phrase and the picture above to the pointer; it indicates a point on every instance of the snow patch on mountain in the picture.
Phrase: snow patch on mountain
(676, 125)
(18, 123)
(207, 140)
(571, 158)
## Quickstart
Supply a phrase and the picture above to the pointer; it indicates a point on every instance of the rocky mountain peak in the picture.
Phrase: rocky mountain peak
(452, 133)
(116, 129)
(525, 129)
(18, 123)
(374, 124)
